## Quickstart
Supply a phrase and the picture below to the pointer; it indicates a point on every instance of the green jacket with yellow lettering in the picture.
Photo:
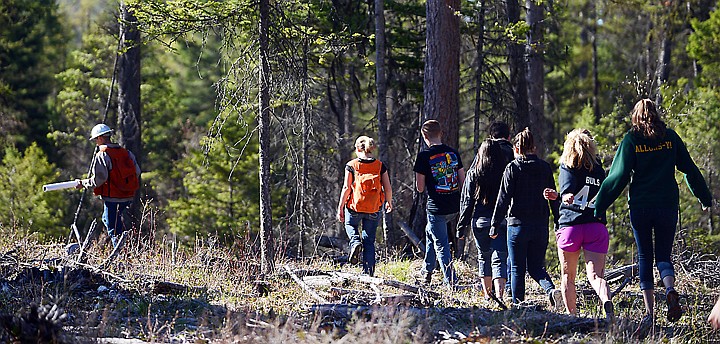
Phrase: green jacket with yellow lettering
(649, 165)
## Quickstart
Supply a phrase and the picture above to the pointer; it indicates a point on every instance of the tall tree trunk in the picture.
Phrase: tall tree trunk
(663, 72)
(441, 84)
(648, 58)
(442, 67)
(381, 83)
(266, 246)
(479, 70)
(304, 154)
(341, 106)
(536, 76)
(516, 61)
(129, 119)
(596, 80)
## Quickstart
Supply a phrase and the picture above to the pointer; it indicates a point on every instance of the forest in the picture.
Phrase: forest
(243, 113)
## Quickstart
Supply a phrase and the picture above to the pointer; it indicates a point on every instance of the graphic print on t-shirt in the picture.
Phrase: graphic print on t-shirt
(444, 168)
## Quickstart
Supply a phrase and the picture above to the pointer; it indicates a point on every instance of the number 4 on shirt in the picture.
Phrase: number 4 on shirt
(581, 199)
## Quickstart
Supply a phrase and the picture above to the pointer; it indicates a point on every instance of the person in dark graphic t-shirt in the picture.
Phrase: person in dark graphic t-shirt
(439, 170)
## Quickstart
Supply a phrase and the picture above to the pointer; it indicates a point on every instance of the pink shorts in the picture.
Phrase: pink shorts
(590, 236)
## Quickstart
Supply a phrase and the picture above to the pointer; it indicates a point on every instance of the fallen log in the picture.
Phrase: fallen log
(347, 311)
(304, 286)
(621, 273)
(332, 242)
(376, 298)
(318, 281)
(164, 287)
(337, 292)
(391, 283)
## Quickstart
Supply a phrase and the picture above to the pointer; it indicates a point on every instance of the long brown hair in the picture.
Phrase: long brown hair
(646, 120)
(579, 150)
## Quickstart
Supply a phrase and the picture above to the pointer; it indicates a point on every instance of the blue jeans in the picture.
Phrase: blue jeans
(492, 253)
(112, 218)
(662, 222)
(526, 247)
(369, 222)
(437, 246)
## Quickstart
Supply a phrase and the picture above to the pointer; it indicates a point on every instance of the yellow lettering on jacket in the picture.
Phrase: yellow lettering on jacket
(646, 148)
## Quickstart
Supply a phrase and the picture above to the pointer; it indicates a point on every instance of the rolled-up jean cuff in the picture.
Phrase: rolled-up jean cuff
(666, 269)
(485, 268)
(499, 264)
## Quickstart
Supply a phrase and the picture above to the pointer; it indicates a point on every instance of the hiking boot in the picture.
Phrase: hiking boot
(674, 311)
(424, 276)
(556, 299)
(644, 327)
(609, 311)
(355, 254)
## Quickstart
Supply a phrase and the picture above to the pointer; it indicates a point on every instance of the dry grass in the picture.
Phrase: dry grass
(222, 305)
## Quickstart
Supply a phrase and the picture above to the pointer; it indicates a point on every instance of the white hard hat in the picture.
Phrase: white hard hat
(99, 130)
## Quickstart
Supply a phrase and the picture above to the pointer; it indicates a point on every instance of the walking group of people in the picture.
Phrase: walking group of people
(508, 193)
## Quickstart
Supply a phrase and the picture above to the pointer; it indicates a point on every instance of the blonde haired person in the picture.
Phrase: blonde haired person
(366, 188)
(578, 230)
(647, 158)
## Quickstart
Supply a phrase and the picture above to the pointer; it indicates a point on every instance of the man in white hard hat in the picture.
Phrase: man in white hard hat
(114, 177)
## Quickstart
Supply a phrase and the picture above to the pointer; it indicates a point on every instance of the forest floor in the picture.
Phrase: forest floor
(159, 293)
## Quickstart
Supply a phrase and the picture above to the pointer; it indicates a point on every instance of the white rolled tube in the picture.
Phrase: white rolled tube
(60, 186)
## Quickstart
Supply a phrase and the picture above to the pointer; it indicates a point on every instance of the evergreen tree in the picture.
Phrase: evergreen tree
(27, 208)
(31, 51)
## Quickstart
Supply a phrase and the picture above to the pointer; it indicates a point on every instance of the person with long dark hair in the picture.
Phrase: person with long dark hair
(477, 203)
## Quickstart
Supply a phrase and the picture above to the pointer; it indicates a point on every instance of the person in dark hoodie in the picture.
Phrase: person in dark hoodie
(578, 230)
(521, 202)
(647, 158)
(477, 203)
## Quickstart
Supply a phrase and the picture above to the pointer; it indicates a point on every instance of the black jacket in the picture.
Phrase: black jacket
(520, 199)
(471, 208)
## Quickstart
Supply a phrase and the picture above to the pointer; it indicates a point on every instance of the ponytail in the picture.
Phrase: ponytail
(524, 142)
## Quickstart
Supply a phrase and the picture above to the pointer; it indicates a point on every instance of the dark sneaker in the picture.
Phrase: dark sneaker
(609, 311)
(424, 276)
(674, 311)
(355, 254)
(556, 299)
(644, 327)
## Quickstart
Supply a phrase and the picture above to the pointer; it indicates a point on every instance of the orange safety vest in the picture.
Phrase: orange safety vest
(122, 181)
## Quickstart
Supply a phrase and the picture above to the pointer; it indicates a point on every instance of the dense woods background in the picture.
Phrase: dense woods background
(247, 110)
